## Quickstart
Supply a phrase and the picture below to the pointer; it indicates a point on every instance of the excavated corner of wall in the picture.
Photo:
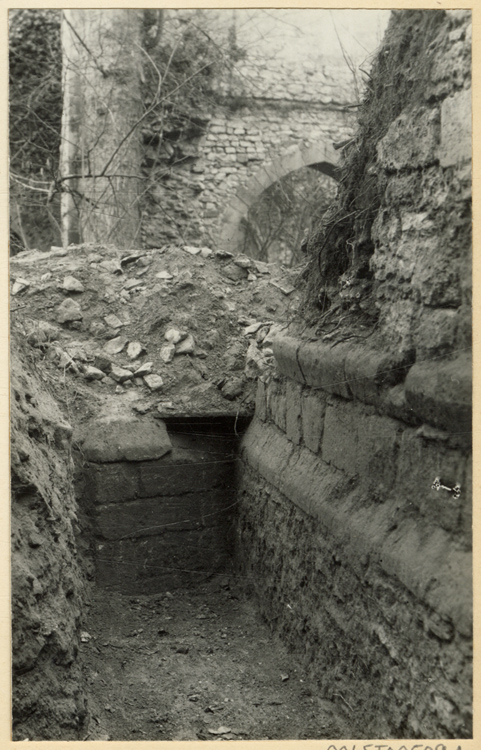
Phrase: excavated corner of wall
(47, 581)
(355, 493)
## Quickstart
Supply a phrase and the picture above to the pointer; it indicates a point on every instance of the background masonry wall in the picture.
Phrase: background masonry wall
(265, 109)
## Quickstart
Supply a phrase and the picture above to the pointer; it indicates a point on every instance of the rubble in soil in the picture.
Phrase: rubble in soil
(196, 664)
(49, 700)
(174, 331)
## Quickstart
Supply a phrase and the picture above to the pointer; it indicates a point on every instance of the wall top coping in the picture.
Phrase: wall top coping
(436, 392)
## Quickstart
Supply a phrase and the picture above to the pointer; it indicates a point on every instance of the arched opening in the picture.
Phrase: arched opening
(279, 221)
(279, 182)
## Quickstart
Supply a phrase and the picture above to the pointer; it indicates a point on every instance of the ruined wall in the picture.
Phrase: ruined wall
(47, 582)
(261, 109)
(355, 514)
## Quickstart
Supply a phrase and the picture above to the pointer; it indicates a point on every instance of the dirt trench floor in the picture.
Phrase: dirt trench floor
(196, 664)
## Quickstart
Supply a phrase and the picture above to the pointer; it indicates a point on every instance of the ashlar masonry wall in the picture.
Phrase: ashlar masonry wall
(355, 512)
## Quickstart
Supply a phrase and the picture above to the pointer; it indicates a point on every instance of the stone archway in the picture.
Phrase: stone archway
(319, 156)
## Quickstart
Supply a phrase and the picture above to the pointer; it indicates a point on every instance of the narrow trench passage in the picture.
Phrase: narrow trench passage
(190, 657)
(196, 663)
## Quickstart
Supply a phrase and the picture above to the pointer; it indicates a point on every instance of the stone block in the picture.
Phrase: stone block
(340, 439)
(411, 140)
(285, 350)
(441, 394)
(323, 366)
(160, 563)
(276, 403)
(112, 483)
(313, 409)
(185, 471)
(421, 460)
(377, 450)
(293, 411)
(124, 440)
(368, 371)
(456, 130)
(437, 332)
(362, 444)
(261, 401)
(164, 514)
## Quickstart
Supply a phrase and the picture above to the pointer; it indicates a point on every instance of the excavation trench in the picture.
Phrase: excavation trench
(173, 645)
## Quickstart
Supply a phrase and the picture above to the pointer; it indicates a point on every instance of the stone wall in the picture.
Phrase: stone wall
(160, 504)
(261, 111)
(355, 517)
(354, 554)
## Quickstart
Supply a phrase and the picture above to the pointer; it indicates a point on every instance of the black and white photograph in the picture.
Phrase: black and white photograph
(240, 373)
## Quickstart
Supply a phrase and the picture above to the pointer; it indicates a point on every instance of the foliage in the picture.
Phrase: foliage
(284, 216)
(35, 90)
(35, 109)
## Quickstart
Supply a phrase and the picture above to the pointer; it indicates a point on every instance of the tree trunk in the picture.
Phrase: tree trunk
(100, 152)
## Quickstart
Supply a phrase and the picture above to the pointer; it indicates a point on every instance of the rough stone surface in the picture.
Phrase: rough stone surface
(441, 393)
(69, 311)
(358, 537)
(120, 374)
(93, 373)
(186, 346)
(154, 564)
(184, 471)
(48, 584)
(71, 284)
(129, 440)
(161, 515)
(154, 382)
(115, 346)
(456, 114)
(167, 353)
(347, 617)
(134, 350)
(112, 483)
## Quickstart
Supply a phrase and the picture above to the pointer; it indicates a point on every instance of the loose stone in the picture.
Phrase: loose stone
(154, 382)
(131, 283)
(93, 373)
(173, 336)
(19, 286)
(134, 350)
(115, 346)
(243, 261)
(234, 272)
(113, 321)
(186, 346)
(167, 353)
(120, 374)
(69, 310)
(71, 284)
(144, 369)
